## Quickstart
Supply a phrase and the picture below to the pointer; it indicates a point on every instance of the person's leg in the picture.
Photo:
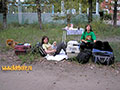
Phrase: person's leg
(82, 46)
(90, 45)
(59, 47)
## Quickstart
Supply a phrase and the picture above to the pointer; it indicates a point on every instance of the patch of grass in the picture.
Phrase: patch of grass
(32, 34)
(104, 30)
(23, 59)
(116, 49)
(29, 34)
(29, 58)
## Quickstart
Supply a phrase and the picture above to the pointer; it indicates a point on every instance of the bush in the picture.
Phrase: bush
(59, 17)
(108, 17)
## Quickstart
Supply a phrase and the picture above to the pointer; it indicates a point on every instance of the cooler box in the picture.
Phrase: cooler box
(22, 49)
(73, 47)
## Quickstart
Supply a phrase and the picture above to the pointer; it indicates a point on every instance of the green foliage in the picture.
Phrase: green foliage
(79, 19)
(59, 17)
(116, 48)
(108, 17)
(105, 30)
(30, 33)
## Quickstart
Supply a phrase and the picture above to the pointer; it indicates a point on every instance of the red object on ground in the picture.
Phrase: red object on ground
(21, 49)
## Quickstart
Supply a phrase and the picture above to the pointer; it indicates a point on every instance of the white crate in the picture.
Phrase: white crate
(72, 47)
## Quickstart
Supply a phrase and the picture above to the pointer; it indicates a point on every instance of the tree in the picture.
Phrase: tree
(115, 13)
(90, 11)
(1, 6)
(4, 11)
(38, 3)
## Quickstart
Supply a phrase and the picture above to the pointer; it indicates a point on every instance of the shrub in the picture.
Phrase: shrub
(108, 17)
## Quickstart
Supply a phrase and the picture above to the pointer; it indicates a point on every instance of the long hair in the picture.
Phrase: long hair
(44, 38)
(90, 27)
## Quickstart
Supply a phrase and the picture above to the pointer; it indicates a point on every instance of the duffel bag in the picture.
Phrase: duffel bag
(102, 57)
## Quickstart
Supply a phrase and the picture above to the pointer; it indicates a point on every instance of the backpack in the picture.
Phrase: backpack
(84, 56)
(22, 49)
(102, 53)
(39, 49)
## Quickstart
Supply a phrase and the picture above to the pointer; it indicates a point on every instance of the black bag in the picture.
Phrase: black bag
(102, 53)
(39, 49)
(104, 46)
(84, 56)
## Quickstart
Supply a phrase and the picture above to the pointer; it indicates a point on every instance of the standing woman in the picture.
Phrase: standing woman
(49, 48)
(88, 38)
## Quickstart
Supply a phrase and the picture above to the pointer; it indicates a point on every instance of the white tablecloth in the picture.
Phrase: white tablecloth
(74, 31)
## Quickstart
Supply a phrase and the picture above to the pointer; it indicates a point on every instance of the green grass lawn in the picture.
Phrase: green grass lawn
(32, 34)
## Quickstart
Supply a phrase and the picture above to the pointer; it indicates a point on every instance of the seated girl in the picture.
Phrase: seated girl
(52, 49)
(88, 38)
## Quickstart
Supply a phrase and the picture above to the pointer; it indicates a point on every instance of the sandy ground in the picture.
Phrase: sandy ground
(63, 75)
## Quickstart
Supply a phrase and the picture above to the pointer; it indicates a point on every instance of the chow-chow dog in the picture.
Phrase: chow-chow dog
(11, 43)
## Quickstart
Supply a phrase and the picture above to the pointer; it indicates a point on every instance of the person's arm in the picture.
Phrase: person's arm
(94, 37)
(83, 38)
(48, 51)
(94, 41)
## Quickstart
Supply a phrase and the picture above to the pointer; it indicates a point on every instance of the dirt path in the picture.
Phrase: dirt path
(49, 75)
(63, 75)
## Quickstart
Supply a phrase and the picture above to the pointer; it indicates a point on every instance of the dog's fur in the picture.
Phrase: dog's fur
(11, 43)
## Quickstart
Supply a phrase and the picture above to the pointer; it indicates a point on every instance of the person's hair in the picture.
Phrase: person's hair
(86, 27)
(44, 38)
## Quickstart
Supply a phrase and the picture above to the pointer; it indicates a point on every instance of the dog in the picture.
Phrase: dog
(11, 43)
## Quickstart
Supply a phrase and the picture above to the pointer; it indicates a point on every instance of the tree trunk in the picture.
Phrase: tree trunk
(39, 13)
(68, 18)
(90, 11)
(115, 14)
(4, 2)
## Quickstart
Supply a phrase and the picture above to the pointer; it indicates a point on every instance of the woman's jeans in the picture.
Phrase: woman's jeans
(88, 45)
(59, 47)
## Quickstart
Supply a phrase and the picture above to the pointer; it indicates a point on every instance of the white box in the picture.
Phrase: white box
(72, 47)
